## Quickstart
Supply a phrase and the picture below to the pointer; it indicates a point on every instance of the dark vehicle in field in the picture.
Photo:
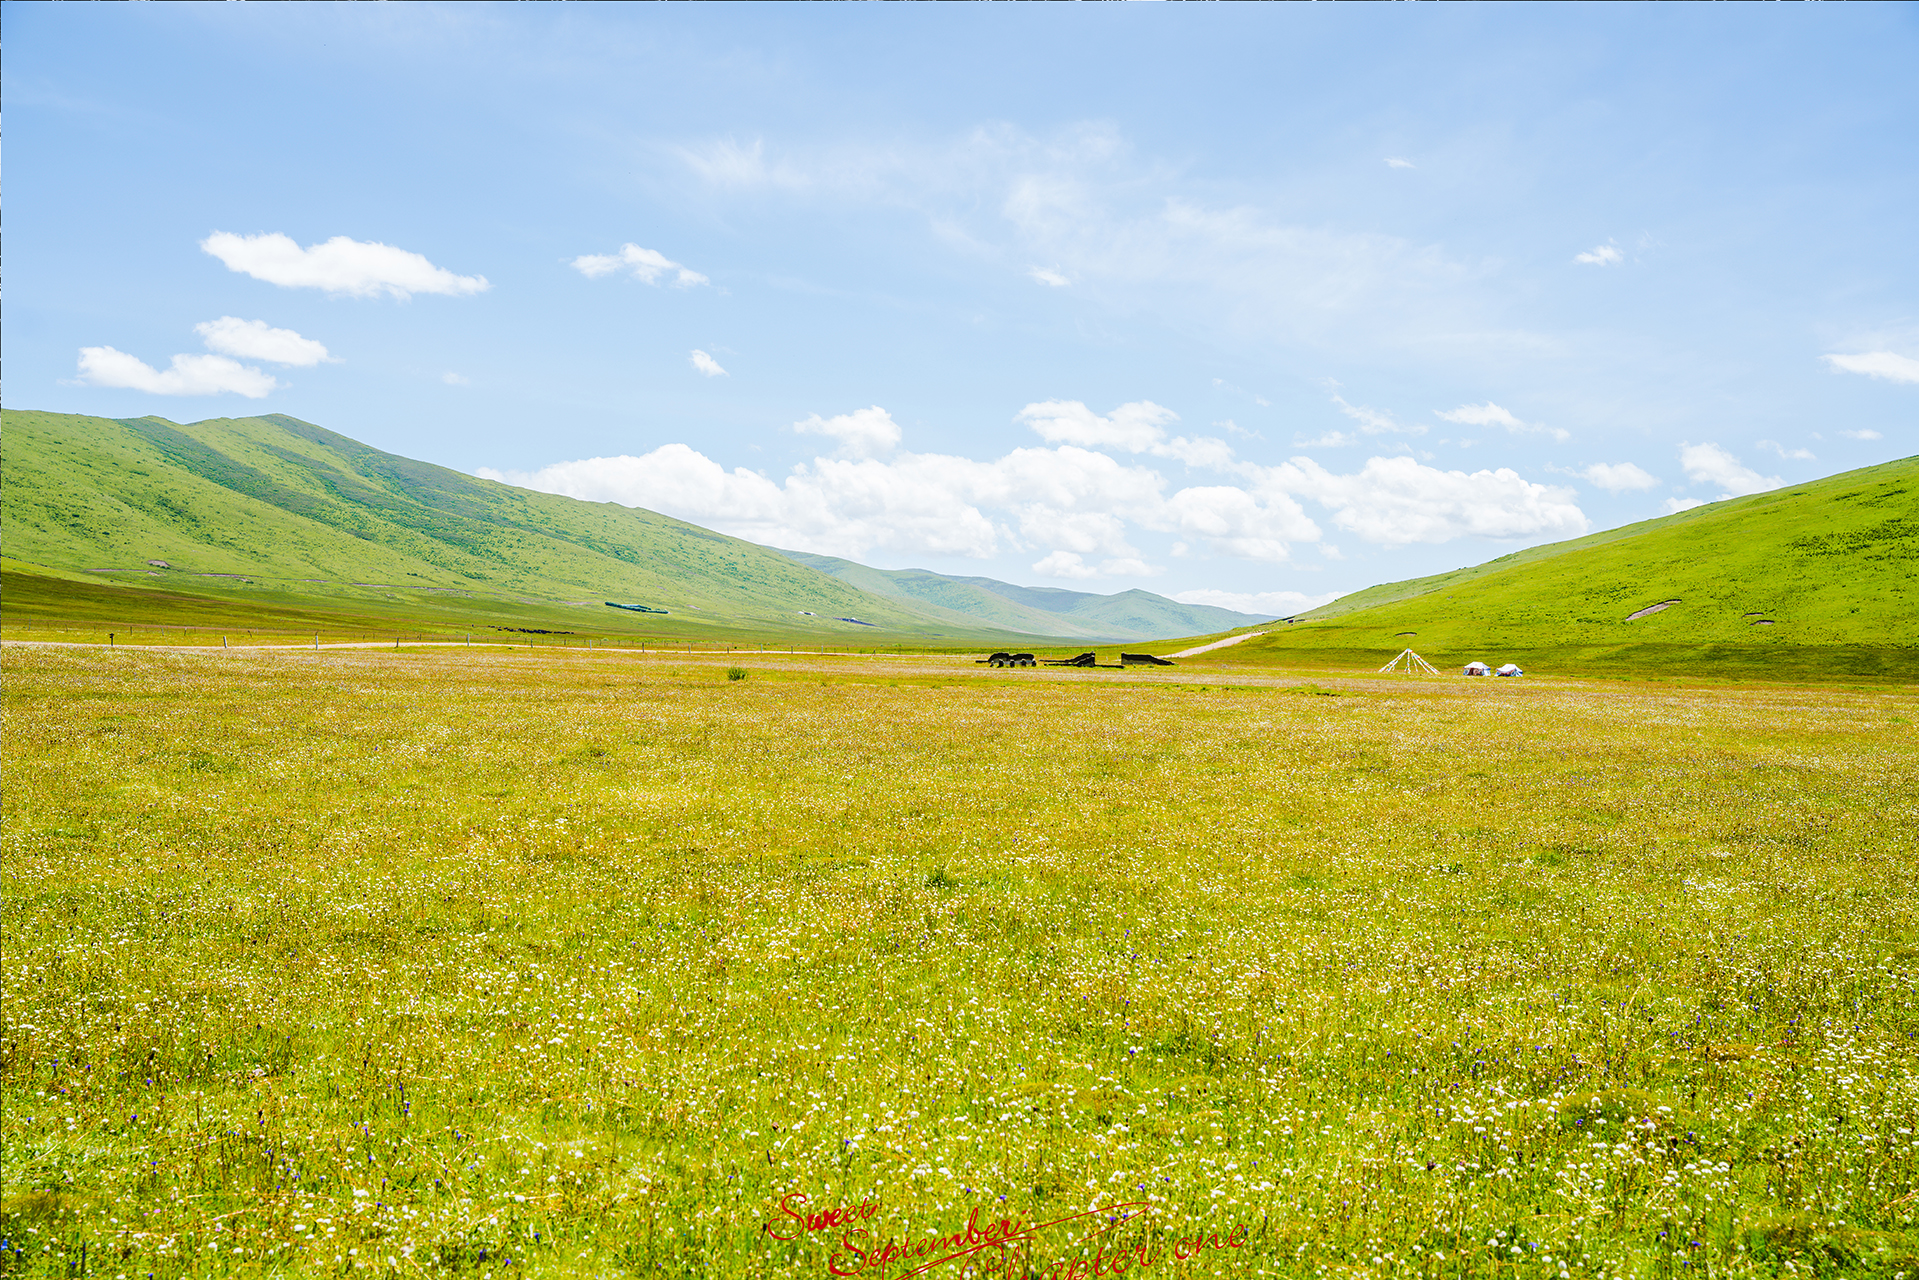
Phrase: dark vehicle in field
(1085, 661)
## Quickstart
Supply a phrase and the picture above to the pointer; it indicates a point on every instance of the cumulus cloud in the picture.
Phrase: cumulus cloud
(706, 364)
(1491, 415)
(1877, 364)
(356, 268)
(1673, 506)
(1866, 433)
(648, 265)
(1396, 501)
(1139, 427)
(928, 504)
(864, 433)
(1273, 604)
(1395, 162)
(1791, 455)
(1242, 523)
(256, 340)
(1605, 255)
(189, 375)
(1617, 477)
(1047, 276)
(1709, 464)
(1073, 505)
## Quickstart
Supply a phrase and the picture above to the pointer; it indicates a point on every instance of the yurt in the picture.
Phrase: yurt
(1510, 670)
(1477, 669)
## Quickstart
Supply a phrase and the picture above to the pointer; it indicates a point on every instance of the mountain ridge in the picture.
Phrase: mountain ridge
(1124, 615)
(229, 502)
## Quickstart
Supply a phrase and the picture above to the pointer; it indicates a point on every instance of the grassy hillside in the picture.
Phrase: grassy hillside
(285, 515)
(1818, 576)
(1126, 615)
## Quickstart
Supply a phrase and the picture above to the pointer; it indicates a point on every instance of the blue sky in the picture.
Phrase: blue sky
(1243, 304)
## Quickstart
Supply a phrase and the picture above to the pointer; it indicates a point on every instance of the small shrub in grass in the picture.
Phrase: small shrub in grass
(736, 673)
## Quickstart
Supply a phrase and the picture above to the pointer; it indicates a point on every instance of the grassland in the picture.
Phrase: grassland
(1821, 577)
(273, 513)
(512, 962)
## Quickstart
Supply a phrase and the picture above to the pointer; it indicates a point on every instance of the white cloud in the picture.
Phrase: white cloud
(1791, 455)
(1273, 604)
(1048, 276)
(188, 375)
(864, 433)
(1134, 427)
(1878, 364)
(1491, 415)
(1394, 162)
(1070, 564)
(648, 265)
(1605, 255)
(1071, 505)
(1395, 501)
(1709, 464)
(1138, 427)
(1373, 422)
(1236, 522)
(358, 268)
(1064, 564)
(706, 364)
(256, 340)
(1673, 506)
(928, 504)
(453, 379)
(1865, 434)
(1618, 477)
(1081, 201)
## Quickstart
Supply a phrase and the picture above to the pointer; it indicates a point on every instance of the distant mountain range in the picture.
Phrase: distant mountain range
(1127, 615)
(272, 505)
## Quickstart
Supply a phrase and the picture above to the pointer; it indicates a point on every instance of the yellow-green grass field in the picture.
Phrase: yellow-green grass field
(508, 962)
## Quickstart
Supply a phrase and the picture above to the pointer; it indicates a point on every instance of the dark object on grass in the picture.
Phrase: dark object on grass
(1003, 659)
(634, 608)
(1144, 659)
(1083, 660)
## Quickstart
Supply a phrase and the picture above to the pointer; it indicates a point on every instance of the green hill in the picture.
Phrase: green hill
(1125, 615)
(284, 514)
(1822, 576)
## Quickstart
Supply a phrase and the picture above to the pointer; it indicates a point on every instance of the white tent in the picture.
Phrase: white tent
(1510, 669)
(1477, 669)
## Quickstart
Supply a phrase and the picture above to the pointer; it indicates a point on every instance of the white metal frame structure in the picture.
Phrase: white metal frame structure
(1414, 664)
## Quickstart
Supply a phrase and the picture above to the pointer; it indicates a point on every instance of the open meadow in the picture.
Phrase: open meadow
(529, 962)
